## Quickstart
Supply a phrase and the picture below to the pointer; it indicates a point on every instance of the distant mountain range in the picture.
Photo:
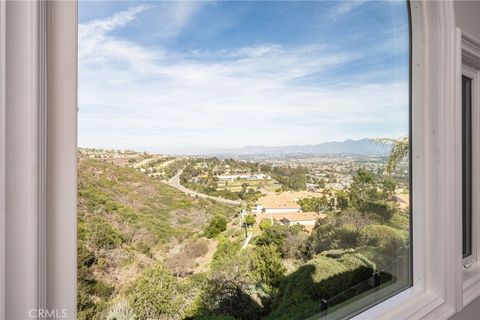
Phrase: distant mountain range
(362, 147)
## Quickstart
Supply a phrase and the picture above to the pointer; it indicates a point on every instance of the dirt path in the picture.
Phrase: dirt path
(175, 182)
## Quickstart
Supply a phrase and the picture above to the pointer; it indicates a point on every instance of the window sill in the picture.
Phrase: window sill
(471, 283)
(409, 304)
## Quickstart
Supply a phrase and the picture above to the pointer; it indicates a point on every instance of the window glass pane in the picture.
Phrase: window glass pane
(242, 159)
(467, 165)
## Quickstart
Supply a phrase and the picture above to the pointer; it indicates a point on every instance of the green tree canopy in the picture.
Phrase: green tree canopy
(266, 265)
(342, 200)
(217, 225)
(371, 195)
(249, 220)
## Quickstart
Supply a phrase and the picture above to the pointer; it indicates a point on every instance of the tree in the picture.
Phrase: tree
(321, 183)
(243, 192)
(370, 196)
(274, 234)
(314, 204)
(266, 265)
(265, 224)
(249, 220)
(227, 291)
(342, 199)
(294, 245)
(217, 225)
(399, 151)
(388, 187)
(289, 240)
(226, 250)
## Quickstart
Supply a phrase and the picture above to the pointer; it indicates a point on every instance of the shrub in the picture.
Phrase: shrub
(265, 224)
(400, 221)
(226, 250)
(274, 234)
(346, 236)
(120, 311)
(294, 245)
(290, 240)
(266, 265)
(85, 257)
(104, 235)
(197, 248)
(321, 278)
(382, 236)
(342, 200)
(143, 248)
(315, 204)
(157, 294)
(101, 289)
(328, 236)
(217, 225)
(227, 292)
(216, 318)
(308, 283)
(370, 195)
(352, 217)
(381, 208)
(361, 268)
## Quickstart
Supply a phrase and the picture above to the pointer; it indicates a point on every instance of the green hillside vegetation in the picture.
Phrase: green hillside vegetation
(149, 250)
(127, 222)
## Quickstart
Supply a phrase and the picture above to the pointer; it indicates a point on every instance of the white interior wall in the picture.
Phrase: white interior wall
(467, 16)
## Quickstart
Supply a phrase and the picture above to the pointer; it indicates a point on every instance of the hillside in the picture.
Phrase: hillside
(128, 221)
(149, 250)
(362, 147)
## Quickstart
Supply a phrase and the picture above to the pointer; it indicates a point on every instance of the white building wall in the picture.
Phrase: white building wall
(281, 210)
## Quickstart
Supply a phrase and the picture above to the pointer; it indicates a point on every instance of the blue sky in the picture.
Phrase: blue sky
(163, 75)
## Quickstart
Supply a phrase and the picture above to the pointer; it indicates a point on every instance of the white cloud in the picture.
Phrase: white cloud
(120, 19)
(97, 47)
(175, 16)
(343, 8)
(132, 96)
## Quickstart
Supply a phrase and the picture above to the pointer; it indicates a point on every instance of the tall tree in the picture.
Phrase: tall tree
(400, 148)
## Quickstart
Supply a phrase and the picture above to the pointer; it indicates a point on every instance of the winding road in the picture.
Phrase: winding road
(175, 182)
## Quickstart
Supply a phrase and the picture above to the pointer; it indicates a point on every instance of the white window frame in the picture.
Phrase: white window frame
(38, 74)
(46, 274)
(470, 56)
(473, 74)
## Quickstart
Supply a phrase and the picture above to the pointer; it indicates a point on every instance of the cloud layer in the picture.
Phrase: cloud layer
(133, 95)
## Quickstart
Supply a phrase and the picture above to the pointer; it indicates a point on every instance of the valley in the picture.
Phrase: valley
(191, 223)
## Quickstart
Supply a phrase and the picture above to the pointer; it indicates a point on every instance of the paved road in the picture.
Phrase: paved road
(161, 165)
(167, 163)
(175, 182)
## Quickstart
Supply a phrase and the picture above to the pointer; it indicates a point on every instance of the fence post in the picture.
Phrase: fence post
(376, 279)
(323, 305)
